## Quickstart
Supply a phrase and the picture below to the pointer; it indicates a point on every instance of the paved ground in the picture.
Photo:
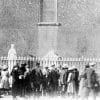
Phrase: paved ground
(43, 98)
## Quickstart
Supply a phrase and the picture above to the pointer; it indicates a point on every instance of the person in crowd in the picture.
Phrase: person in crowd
(82, 81)
(5, 79)
(33, 78)
(0, 79)
(21, 72)
(71, 83)
(45, 80)
(90, 82)
(27, 80)
(63, 78)
(30, 62)
(38, 78)
(57, 77)
(76, 80)
(15, 81)
(59, 68)
(53, 80)
(48, 80)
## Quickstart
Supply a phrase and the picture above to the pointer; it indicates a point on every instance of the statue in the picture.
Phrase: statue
(12, 57)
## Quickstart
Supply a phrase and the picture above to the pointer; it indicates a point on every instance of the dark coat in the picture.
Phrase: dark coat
(21, 84)
(15, 82)
(53, 77)
(76, 80)
(27, 80)
(65, 77)
(38, 76)
(53, 80)
(89, 72)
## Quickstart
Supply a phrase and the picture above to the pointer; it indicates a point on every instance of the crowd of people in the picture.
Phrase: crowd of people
(50, 81)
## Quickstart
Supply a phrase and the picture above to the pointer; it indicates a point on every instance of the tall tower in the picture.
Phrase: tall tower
(47, 27)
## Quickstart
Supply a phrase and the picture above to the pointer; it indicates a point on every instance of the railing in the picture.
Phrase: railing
(19, 60)
(78, 62)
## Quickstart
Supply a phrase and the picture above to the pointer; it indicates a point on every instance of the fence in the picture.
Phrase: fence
(19, 60)
(78, 62)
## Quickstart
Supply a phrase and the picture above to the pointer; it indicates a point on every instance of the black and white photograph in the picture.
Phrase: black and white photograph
(49, 49)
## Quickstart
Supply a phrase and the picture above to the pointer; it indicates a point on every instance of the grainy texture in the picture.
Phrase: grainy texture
(78, 35)
(80, 30)
(18, 25)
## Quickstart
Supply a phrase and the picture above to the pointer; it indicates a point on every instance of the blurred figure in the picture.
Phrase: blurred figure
(90, 82)
(0, 80)
(21, 72)
(27, 81)
(53, 80)
(91, 79)
(76, 80)
(71, 83)
(38, 79)
(45, 82)
(59, 68)
(15, 81)
(63, 78)
(5, 79)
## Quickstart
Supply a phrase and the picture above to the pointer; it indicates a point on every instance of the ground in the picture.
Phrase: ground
(43, 98)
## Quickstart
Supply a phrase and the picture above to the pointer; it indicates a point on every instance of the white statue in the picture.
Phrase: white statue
(12, 57)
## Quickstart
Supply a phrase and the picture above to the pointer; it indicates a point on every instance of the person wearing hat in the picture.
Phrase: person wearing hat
(27, 81)
(21, 72)
(76, 80)
(71, 68)
(53, 80)
(71, 82)
(53, 67)
(45, 81)
(38, 77)
(92, 64)
(89, 73)
(38, 64)
(65, 77)
(45, 70)
(65, 66)
(89, 88)
(5, 79)
(15, 81)
(82, 84)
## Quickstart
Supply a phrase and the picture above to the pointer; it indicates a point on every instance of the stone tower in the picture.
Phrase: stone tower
(47, 27)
